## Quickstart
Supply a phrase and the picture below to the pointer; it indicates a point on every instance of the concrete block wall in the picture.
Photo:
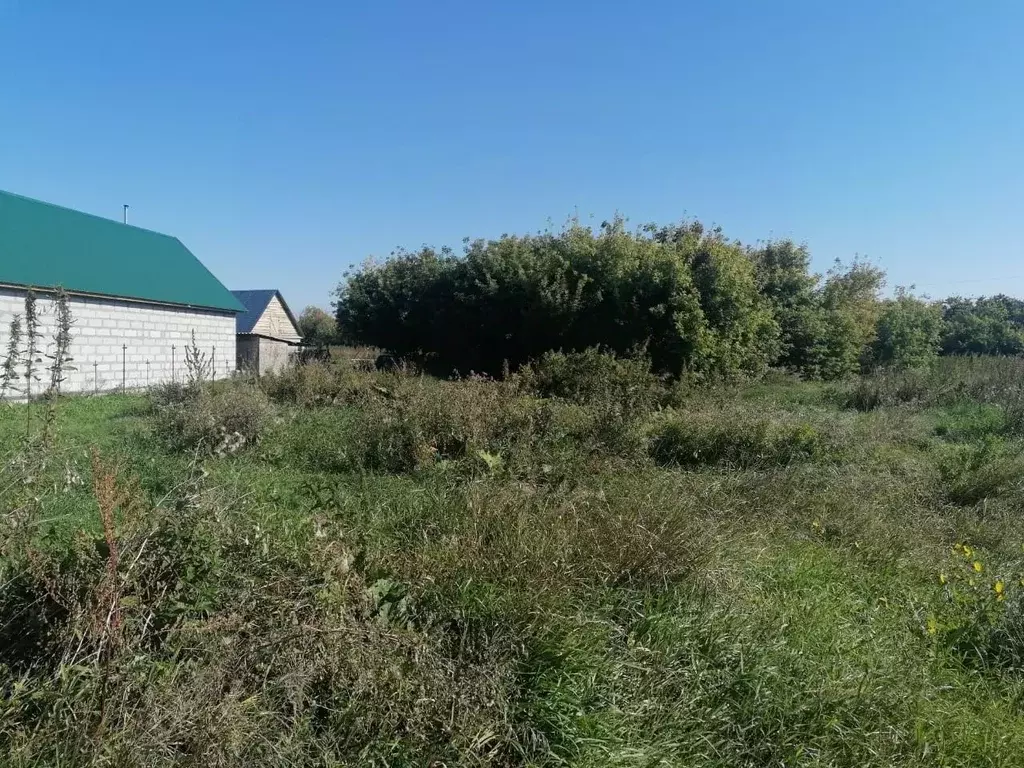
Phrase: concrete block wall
(276, 356)
(144, 341)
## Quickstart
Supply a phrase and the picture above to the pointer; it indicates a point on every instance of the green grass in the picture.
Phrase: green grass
(82, 421)
(411, 572)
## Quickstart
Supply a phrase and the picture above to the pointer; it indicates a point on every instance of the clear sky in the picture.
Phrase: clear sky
(284, 141)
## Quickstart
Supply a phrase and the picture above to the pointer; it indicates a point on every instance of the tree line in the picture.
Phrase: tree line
(690, 299)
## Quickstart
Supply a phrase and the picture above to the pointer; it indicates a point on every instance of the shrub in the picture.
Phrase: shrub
(313, 384)
(170, 393)
(983, 470)
(885, 389)
(412, 424)
(219, 418)
(415, 423)
(692, 439)
(595, 377)
(979, 619)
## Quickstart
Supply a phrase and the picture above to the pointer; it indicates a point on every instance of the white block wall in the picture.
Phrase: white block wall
(145, 341)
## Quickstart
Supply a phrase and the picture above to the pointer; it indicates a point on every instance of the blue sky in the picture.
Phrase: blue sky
(283, 142)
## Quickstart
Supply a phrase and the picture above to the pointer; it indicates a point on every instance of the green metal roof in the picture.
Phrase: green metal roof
(46, 246)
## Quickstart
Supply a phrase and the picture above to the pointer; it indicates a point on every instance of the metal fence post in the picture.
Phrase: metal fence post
(95, 379)
(124, 367)
(147, 374)
(173, 377)
(213, 363)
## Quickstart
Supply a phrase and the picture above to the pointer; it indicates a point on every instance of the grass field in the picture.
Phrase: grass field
(577, 566)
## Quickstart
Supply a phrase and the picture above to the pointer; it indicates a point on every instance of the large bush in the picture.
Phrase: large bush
(697, 302)
(686, 293)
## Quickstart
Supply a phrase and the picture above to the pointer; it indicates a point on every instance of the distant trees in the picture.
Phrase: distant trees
(317, 327)
(690, 299)
(985, 326)
(827, 325)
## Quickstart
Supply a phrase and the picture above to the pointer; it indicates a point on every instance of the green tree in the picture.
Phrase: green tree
(782, 269)
(317, 327)
(743, 333)
(908, 332)
(984, 326)
(403, 305)
(848, 321)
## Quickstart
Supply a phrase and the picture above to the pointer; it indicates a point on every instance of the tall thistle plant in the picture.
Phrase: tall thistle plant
(32, 335)
(60, 360)
(32, 359)
(198, 364)
(9, 374)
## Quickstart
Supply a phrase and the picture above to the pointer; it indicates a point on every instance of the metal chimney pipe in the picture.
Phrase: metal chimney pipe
(125, 213)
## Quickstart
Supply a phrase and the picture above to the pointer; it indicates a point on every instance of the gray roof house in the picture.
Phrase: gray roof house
(267, 332)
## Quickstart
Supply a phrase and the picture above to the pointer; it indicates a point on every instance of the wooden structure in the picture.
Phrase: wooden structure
(268, 333)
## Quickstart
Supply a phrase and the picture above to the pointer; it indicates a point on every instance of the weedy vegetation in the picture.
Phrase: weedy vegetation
(644, 550)
(579, 564)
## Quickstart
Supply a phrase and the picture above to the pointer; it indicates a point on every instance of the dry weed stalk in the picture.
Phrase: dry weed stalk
(108, 498)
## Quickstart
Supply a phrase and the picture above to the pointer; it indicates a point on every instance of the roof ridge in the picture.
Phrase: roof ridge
(83, 213)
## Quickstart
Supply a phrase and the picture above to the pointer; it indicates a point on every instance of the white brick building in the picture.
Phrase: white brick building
(136, 298)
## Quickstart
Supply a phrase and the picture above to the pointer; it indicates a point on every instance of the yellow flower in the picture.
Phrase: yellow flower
(933, 626)
(998, 587)
(966, 550)
(978, 567)
(942, 578)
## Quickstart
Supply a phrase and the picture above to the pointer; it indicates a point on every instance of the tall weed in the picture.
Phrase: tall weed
(735, 439)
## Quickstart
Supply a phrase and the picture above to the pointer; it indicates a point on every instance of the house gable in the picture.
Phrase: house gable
(276, 322)
(267, 314)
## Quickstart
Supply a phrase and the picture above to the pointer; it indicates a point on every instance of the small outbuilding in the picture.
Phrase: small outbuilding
(268, 335)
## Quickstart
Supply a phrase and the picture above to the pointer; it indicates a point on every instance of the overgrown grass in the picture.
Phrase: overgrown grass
(577, 566)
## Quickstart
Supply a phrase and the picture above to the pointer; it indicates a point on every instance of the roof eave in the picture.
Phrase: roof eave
(114, 297)
(296, 343)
